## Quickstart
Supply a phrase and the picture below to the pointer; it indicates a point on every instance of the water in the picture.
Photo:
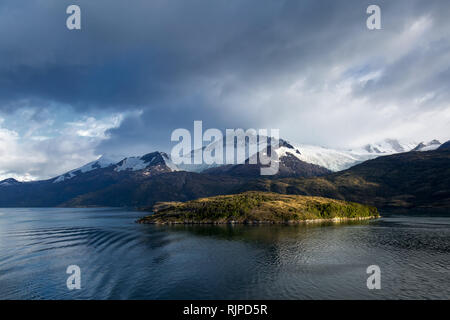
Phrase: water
(120, 259)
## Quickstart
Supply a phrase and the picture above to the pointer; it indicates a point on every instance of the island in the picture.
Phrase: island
(257, 208)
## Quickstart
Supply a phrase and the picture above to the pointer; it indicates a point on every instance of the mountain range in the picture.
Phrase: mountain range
(330, 158)
(404, 180)
(314, 160)
(387, 174)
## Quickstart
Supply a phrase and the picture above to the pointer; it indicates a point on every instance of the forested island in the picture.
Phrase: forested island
(257, 208)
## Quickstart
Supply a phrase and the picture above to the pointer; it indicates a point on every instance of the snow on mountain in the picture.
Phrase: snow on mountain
(172, 166)
(445, 146)
(432, 145)
(132, 164)
(141, 163)
(332, 159)
(337, 160)
(188, 158)
(122, 164)
(9, 182)
(102, 162)
(341, 159)
(387, 146)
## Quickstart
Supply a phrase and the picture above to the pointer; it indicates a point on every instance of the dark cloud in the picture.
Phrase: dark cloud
(277, 64)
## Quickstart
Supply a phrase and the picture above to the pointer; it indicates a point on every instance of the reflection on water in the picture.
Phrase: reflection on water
(120, 259)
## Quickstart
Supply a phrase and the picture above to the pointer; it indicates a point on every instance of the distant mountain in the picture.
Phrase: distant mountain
(432, 145)
(103, 162)
(329, 158)
(261, 143)
(404, 180)
(408, 179)
(338, 159)
(445, 146)
(142, 191)
(288, 166)
(140, 181)
(9, 182)
(92, 177)
(388, 146)
(151, 163)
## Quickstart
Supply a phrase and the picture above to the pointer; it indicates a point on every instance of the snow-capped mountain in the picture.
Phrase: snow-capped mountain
(337, 159)
(387, 146)
(142, 181)
(432, 145)
(261, 144)
(332, 159)
(9, 182)
(148, 163)
(102, 162)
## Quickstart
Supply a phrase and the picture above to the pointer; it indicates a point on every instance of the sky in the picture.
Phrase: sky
(138, 70)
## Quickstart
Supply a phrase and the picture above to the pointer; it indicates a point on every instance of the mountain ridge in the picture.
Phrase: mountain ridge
(331, 159)
(410, 179)
(406, 180)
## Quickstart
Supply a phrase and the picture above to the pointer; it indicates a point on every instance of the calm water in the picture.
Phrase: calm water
(123, 260)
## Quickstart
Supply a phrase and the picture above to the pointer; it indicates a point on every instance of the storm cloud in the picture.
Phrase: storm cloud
(310, 68)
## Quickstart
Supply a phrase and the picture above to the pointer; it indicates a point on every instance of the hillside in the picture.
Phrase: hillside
(289, 166)
(406, 180)
(138, 181)
(138, 190)
(257, 207)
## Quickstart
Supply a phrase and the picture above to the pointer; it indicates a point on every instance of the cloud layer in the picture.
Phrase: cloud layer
(310, 68)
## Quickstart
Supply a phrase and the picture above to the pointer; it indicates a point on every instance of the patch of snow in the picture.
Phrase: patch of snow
(132, 164)
(334, 160)
(9, 182)
(430, 147)
(337, 160)
(120, 164)
(385, 147)
(102, 162)
(172, 166)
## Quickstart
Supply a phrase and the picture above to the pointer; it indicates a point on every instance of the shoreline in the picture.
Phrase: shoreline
(257, 222)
